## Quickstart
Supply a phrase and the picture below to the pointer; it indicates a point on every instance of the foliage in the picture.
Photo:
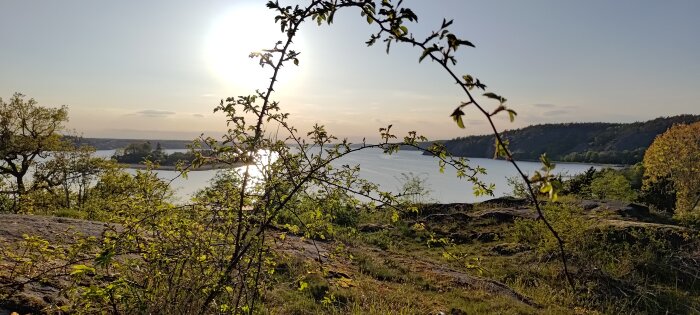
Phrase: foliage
(70, 173)
(28, 132)
(118, 194)
(414, 190)
(518, 187)
(610, 184)
(675, 155)
(660, 194)
(580, 185)
(618, 261)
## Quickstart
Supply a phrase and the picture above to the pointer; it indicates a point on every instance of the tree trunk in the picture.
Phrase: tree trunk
(21, 190)
(66, 192)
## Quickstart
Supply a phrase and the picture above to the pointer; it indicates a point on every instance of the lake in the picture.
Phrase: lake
(385, 170)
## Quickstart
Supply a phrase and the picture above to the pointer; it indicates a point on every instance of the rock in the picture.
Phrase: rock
(25, 303)
(444, 208)
(621, 208)
(506, 202)
(337, 274)
(447, 217)
(453, 311)
(486, 237)
(456, 311)
(628, 231)
(634, 210)
(462, 237)
(504, 215)
(589, 204)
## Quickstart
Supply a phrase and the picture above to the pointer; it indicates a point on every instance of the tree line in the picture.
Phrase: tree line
(606, 143)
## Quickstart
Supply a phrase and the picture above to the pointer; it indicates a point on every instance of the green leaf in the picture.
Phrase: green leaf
(457, 117)
(512, 114)
(468, 78)
(446, 23)
(395, 216)
(303, 286)
(547, 187)
(498, 110)
(459, 121)
(104, 258)
(548, 165)
(465, 42)
(495, 96)
(427, 52)
(81, 269)
(501, 149)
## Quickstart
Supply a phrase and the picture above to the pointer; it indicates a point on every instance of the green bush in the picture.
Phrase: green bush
(346, 216)
(580, 185)
(612, 184)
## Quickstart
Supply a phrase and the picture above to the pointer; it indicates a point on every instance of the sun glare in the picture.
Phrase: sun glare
(231, 39)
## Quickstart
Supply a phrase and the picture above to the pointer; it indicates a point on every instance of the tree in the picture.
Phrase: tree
(27, 132)
(675, 155)
(73, 169)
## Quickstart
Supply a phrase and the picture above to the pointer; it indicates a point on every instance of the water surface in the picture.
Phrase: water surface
(385, 170)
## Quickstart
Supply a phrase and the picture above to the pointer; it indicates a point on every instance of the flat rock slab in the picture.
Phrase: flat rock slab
(52, 229)
(625, 209)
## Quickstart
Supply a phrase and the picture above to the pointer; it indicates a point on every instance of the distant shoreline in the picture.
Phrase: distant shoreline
(565, 162)
(205, 167)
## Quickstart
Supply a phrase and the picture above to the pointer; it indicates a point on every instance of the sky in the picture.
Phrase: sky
(156, 69)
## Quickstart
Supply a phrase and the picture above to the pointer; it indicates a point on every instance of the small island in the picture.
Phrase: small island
(137, 155)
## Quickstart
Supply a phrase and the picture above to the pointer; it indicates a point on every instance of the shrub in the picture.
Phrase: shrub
(611, 184)
(616, 261)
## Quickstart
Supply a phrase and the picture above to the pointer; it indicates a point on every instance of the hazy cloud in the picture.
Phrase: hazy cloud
(544, 105)
(151, 134)
(474, 121)
(155, 113)
(198, 115)
(557, 112)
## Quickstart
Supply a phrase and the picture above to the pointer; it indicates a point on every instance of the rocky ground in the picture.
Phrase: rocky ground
(462, 223)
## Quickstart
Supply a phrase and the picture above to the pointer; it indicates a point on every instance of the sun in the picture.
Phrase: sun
(233, 36)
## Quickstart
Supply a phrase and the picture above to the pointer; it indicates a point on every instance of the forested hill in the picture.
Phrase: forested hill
(609, 143)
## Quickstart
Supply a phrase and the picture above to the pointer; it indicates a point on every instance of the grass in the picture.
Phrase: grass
(392, 271)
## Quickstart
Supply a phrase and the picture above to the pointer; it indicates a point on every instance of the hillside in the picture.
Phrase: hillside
(609, 143)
